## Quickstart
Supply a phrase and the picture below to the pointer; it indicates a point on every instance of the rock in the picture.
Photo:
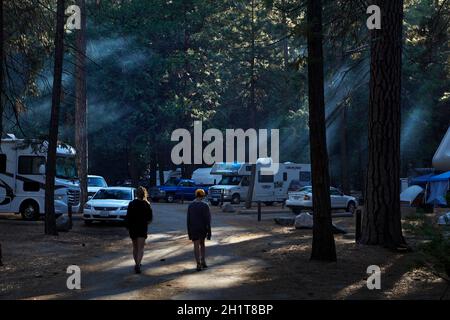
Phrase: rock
(304, 221)
(227, 207)
(444, 219)
(285, 221)
(63, 223)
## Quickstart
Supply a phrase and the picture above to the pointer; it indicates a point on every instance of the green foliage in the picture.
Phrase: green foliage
(434, 245)
(154, 66)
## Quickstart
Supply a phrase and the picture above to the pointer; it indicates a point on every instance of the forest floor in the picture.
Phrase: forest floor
(247, 259)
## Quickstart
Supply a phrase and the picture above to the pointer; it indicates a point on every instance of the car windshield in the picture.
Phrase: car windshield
(172, 182)
(113, 194)
(230, 180)
(66, 168)
(97, 182)
(306, 189)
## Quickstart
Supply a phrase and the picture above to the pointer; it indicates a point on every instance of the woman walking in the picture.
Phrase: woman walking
(199, 227)
(139, 215)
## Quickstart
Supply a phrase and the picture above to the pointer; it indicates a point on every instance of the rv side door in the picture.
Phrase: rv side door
(264, 187)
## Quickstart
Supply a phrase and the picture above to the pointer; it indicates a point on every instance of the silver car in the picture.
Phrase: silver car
(302, 199)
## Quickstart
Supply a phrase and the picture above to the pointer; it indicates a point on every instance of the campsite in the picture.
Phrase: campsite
(225, 150)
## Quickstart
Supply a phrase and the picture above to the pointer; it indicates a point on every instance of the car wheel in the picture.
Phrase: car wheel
(351, 207)
(236, 199)
(29, 211)
(170, 198)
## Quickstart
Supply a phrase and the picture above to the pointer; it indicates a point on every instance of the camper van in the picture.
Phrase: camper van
(22, 178)
(204, 176)
(233, 187)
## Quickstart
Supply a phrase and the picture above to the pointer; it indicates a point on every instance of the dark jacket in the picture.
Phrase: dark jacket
(139, 215)
(198, 221)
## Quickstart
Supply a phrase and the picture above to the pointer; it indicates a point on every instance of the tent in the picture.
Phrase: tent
(439, 185)
(410, 194)
(422, 180)
(441, 177)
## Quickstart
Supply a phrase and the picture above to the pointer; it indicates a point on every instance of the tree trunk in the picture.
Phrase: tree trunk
(1, 72)
(161, 167)
(323, 246)
(50, 221)
(382, 219)
(80, 106)
(153, 172)
(252, 108)
(285, 35)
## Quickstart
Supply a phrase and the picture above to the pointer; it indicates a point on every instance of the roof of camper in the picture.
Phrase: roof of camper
(62, 148)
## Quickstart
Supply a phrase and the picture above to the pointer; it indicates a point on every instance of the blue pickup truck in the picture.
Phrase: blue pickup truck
(176, 189)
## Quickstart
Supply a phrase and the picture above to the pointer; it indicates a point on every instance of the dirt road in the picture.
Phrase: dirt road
(248, 260)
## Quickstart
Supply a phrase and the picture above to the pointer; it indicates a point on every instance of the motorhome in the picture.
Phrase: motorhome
(204, 176)
(22, 177)
(233, 186)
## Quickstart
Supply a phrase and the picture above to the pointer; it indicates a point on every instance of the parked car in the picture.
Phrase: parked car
(109, 204)
(302, 199)
(176, 189)
(95, 183)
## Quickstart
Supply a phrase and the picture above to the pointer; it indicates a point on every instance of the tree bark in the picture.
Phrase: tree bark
(81, 107)
(153, 172)
(252, 107)
(50, 221)
(382, 219)
(1, 72)
(323, 246)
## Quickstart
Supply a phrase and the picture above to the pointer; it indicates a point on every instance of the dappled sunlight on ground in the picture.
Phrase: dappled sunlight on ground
(247, 260)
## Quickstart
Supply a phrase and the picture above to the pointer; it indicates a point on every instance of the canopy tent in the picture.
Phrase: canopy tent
(439, 184)
(422, 179)
(441, 177)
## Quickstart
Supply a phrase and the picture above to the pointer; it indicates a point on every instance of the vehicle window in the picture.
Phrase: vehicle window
(295, 185)
(306, 189)
(2, 163)
(31, 164)
(335, 192)
(66, 168)
(245, 182)
(114, 194)
(171, 182)
(265, 178)
(304, 176)
(31, 186)
(230, 180)
(97, 182)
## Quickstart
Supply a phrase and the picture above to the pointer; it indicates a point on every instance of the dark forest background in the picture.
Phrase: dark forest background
(154, 66)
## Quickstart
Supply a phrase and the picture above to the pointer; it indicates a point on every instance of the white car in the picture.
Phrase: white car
(109, 204)
(95, 183)
(302, 199)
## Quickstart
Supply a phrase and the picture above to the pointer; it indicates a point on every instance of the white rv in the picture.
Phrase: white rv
(268, 188)
(203, 176)
(22, 178)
